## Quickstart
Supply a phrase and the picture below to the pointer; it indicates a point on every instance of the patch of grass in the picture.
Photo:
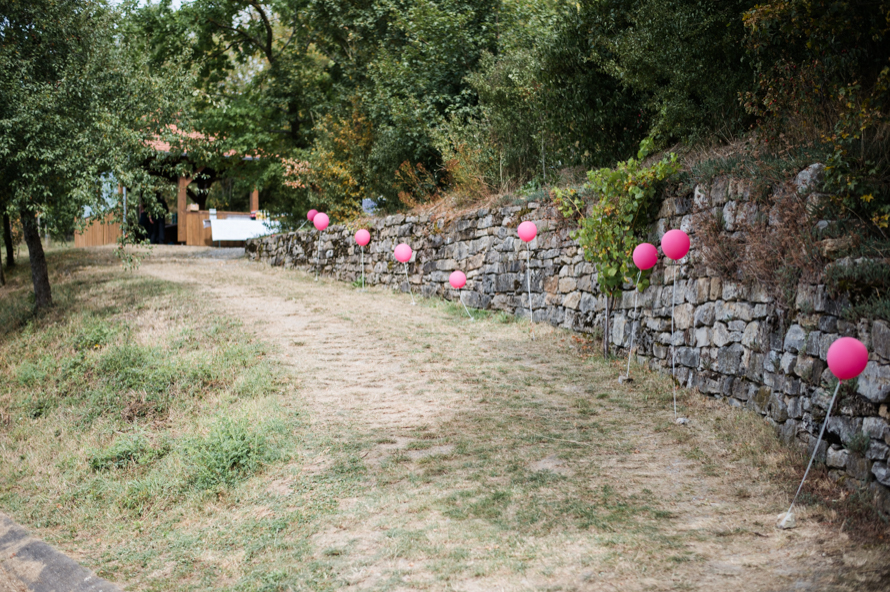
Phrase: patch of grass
(231, 451)
(127, 450)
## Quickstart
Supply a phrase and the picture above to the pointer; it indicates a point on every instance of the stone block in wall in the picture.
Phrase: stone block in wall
(790, 385)
(683, 316)
(720, 336)
(760, 399)
(703, 337)
(729, 359)
(730, 311)
(698, 291)
(881, 472)
(880, 339)
(567, 284)
(705, 315)
(836, 457)
(811, 298)
(844, 428)
(874, 382)
(789, 430)
(876, 427)
(754, 369)
(572, 301)
(688, 356)
(808, 368)
(752, 337)
(794, 406)
(742, 390)
(776, 408)
(877, 451)
(795, 339)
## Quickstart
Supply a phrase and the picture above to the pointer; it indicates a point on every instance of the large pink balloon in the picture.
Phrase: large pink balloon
(645, 256)
(310, 215)
(527, 231)
(321, 221)
(847, 358)
(457, 279)
(362, 237)
(675, 244)
(403, 253)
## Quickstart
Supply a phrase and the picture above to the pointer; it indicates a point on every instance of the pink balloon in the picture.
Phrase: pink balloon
(310, 215)
(645, 256)
(675, 244)
(457, 279)
(321, 221)
(362, 237)
(847, 358)
(527, 231)
(403, 253)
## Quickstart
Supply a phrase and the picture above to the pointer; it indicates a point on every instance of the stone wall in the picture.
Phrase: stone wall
(732, 341)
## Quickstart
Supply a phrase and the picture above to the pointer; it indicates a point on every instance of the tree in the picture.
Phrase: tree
(76, 103)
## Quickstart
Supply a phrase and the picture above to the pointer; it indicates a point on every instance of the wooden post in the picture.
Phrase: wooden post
(181, 203)
(254, 200)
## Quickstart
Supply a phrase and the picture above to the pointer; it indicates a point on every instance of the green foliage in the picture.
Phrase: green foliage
(232, 450)
(622, 208)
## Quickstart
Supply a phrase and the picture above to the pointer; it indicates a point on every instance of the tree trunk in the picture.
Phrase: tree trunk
(43, 297)
(2, 276)
(7, 238)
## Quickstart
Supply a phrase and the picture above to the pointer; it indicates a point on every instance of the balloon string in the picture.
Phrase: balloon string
(318, 257)
(673, 348)
(363, 268)
(816, 449)
(633, 325)
(460, 296)
(409, 284)
(528, 274)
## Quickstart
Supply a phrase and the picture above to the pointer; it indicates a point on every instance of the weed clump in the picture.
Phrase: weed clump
(231, 451)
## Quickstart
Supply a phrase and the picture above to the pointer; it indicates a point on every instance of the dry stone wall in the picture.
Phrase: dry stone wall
(732, 341)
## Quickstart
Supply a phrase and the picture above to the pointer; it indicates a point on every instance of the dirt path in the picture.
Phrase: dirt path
(502, 463)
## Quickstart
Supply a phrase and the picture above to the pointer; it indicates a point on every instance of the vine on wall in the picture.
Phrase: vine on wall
(618, 218)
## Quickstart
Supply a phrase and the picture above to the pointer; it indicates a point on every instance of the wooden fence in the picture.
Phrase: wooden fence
(98, 234)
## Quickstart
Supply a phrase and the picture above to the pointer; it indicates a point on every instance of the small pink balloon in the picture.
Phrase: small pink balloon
(847, 358)
(403, 253)
(457, 279)
(321, 221)
(310, 215)
(645, 256)
(362, 237)
(527, 231)
(675, 244)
